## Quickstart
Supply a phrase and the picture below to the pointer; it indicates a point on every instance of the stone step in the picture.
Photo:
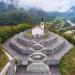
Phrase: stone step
(51, 49)
(54, 71)
(26, 42)
(20, 47)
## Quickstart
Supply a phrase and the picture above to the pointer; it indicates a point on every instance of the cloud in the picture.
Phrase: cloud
(46, 5)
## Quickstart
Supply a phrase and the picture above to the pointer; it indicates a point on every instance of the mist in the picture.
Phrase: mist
(45, 5)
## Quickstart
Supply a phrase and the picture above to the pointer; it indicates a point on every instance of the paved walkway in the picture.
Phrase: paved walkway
(5, 69)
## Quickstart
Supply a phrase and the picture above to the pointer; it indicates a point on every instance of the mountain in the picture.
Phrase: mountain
(4, 8)
(10, 15)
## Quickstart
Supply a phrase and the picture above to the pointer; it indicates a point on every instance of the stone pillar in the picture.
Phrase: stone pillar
(11, 70)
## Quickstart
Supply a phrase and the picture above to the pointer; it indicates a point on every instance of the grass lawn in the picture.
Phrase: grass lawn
(67, 64)
(3, 59)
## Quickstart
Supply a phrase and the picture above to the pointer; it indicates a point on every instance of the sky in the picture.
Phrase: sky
(46, 5)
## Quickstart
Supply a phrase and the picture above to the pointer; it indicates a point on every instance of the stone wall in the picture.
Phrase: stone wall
(20, 49)
(48, 42)
(52, 50)
(27, 43)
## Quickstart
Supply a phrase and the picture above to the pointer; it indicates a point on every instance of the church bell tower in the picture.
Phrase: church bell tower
(42, 23)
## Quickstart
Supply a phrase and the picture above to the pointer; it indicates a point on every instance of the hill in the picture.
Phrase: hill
(10, 15)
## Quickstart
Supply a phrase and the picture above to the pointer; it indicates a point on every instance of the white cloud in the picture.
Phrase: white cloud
(46, 5)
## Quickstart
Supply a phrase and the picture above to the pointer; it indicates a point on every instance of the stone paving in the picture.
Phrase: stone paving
(22, 71)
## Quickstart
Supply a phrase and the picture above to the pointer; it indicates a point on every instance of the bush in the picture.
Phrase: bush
(3, 58)
(8, 31)
(67, 64)
(70, 38)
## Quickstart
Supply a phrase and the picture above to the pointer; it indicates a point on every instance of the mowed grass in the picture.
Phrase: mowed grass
(67, 64)
(3, 59)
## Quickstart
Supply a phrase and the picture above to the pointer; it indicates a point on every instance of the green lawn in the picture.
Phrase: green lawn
(67, 63)
(3, 59)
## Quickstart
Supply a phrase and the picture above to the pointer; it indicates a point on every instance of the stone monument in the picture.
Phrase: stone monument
(34, 54)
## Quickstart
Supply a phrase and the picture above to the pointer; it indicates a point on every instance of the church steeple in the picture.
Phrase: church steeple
(42, 23)
(42, 20)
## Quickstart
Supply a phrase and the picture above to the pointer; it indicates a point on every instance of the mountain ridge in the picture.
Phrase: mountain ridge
(33, 15)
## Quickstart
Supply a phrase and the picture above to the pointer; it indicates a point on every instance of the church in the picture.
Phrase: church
(38, 30)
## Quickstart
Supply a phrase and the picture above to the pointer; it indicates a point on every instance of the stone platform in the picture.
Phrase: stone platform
(47, 51)
(54, 47)
(21, 70)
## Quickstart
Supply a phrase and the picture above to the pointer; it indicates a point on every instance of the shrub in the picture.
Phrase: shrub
(8, 31)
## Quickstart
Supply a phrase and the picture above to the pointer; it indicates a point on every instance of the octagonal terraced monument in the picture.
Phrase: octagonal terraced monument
(36, 50)
(54, 46)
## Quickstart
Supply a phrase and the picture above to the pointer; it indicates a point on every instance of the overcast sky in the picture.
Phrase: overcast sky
(46, 5)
